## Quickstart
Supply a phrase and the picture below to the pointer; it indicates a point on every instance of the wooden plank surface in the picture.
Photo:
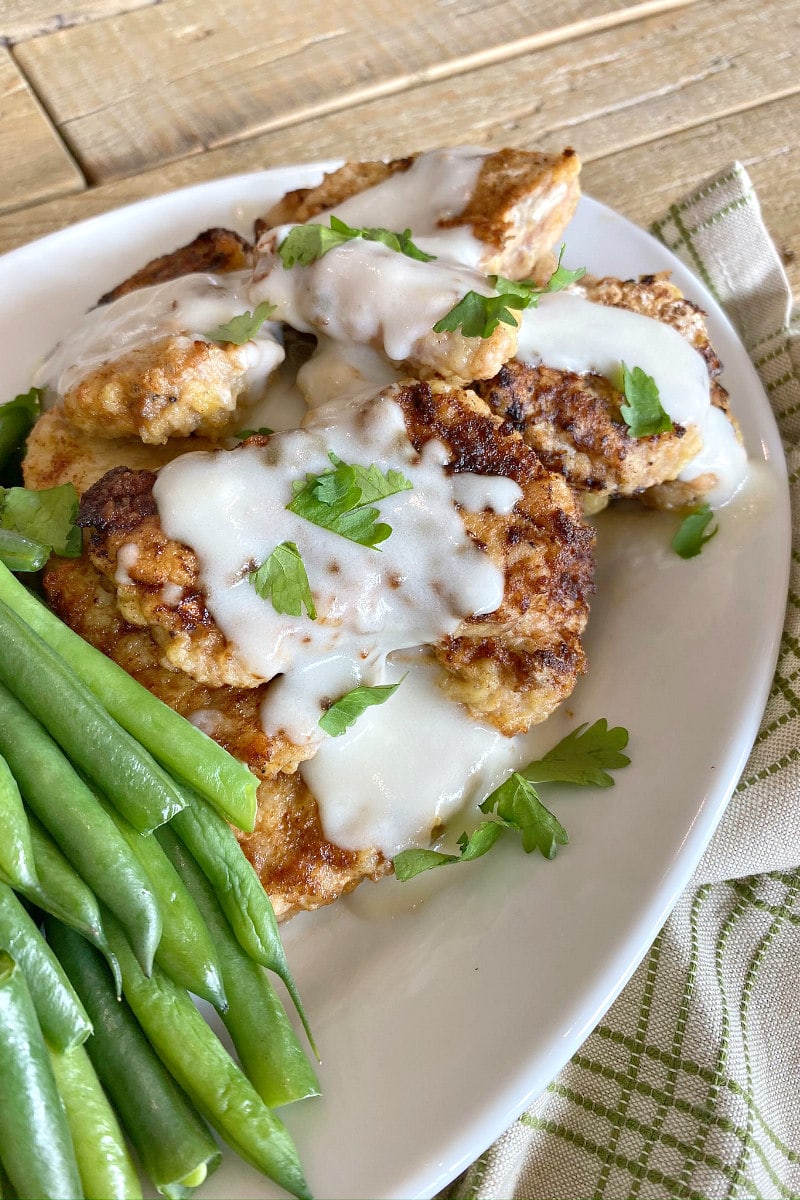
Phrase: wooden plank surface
(621, 95)
(35, 163)
(20, 19)
(162, 83)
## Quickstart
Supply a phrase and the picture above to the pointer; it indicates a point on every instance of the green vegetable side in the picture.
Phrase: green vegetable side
(120, 914)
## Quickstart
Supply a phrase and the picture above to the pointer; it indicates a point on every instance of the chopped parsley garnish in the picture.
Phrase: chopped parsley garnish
(643, 413)
(583, 757)
(243, 328)
(691, 535)
(305, 244)
(282, 580)
(42, 518)
(243, 434)
(16, 420)
(478, 316)
(345, 711)
(342, 500)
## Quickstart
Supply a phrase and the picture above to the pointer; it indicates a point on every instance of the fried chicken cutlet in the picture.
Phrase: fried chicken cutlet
(298, 866)
(510, 666)
(573, 419)
(500, 212)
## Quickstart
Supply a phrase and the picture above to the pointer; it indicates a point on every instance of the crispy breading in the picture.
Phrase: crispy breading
(510, 668)
(58, 452)
(298, 866)
(215, 250)
(522, 202)
(173, 387)
(514, 666)
(574, 423)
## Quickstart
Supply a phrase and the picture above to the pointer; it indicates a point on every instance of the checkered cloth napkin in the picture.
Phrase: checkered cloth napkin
(690, 1085)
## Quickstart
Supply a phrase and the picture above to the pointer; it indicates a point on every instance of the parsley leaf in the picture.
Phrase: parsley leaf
(345, 711)
(341, 500)
(479, 316)
(243, 434)
(584, 756)
(243, 328)
(518, 805)
(643, 413)
(282, 579)
(408, 863)
(46, 517)
(691, 535)
(305, 244)
(561, 278)
(16, 419)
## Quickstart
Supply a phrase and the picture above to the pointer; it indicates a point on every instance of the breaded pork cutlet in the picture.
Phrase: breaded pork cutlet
(510, 668)
(573, 421)
(297, 865)
(520, 205)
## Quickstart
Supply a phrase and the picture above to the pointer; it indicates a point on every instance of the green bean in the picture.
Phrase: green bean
(61, 1015)
(199, 1063)
(37, 1147)
(52, 692)
(177, 744)
(61, 892)
(214, 847)
(20, 553)
(186, 951)
(271, 1056)
(104, 1164)
(86, 834)
(169, 1137)
(17, 861)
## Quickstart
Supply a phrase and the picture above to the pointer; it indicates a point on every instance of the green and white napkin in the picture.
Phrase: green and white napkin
(690, 1085)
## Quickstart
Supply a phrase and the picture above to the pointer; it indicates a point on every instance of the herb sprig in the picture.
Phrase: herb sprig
(477, 315)
(306, 244)
(345, 711)
(342, 500)
(691, 535)
(584, 757)
(244, 327)
(282, 580)
(643, 413)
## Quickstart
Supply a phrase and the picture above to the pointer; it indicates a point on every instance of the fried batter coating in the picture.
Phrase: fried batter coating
(574, 423)
(514, 666)
(172, 387)
(510, 668)
(522, 202)
(298, 866)
(58, 452)
(218, 251)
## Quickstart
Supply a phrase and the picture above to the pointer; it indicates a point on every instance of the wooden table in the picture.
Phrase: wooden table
(108, 101)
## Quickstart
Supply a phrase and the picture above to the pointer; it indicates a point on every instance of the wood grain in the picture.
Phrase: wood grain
(35, 163)
(159, 84)
(21, 19)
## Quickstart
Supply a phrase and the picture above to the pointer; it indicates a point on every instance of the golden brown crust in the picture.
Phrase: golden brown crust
(58, 452)
(298, 866)
(303, 204)
(515, 665)
(173, 387)
(521, 205)
(217, 251)
(573, 423)
(510, 668)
